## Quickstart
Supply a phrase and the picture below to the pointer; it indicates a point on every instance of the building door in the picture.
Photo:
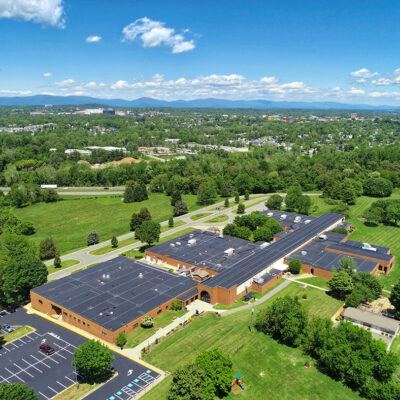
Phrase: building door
(312, 271)
(205, 296)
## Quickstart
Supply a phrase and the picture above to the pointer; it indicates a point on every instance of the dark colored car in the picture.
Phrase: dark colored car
(45, 348)
(7, 328)
(2, 313)
(10, 309)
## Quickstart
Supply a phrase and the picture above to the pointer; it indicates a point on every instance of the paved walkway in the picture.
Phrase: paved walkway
(307, 284)
(263, 299)
(201, 306)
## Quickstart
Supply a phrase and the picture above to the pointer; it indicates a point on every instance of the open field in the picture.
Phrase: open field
(252, 354)
(17, 333)
(64, 264)
(388, 236)
(141, 334)
(69, 221)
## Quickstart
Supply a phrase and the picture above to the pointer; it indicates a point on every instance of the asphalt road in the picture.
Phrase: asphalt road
(21, 361)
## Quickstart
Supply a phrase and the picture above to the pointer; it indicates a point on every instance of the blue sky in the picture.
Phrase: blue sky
(310, 50)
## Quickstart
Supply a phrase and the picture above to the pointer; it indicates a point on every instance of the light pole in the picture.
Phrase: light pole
(251, 323)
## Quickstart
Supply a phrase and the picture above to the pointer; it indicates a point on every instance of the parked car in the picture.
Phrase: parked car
(45, 348)
(11, 309)
(7, 328)
(2, 313)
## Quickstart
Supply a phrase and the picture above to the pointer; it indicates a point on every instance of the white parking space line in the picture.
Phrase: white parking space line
(55, 391)
(4, 379)
(40, 361)
(16, 375)
(33, 365)
(70, 379)
(22, 341)
(23, 370)
(44, 395)
(61, 384)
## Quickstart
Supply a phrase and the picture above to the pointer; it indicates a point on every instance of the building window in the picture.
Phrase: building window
(79, 321)
(65, 314)
(104, 334)
(166, 307)
(83, 322)
(70, 315)
(158, 312)
(88, 325)
(40, 301)
(196, 297)
(135, 325)
(74, 318)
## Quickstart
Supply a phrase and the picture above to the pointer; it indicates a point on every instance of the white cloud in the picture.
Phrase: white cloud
(6, 92)
(93, 39)
(363, 73)
(65, 83)
(48, 12)
(356, 92)
(155, 33)
(121, 85)
(47, 74)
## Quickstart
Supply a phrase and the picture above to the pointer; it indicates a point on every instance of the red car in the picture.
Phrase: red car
(45, 348)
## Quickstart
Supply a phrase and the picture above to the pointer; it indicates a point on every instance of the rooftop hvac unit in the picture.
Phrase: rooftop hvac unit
(260, 281)
(303, 253)
(172, 245)
(283, 216)
(323, 237)
(229, 252)
(270, 214)
(367, 246)
(104, 276)
(307, 221)
(191, 242)
(191, 235)
(297, 219)
(221, 236)
(108, 276)
(178, 243)
(264, 245)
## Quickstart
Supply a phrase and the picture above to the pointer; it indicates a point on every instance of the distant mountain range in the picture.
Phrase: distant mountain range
(147, 102)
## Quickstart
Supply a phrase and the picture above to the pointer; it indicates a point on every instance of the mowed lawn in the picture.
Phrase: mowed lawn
(388, 236)
(69, 222)
(271, 370)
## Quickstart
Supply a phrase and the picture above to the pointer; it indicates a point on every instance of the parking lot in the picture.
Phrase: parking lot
(22, 361)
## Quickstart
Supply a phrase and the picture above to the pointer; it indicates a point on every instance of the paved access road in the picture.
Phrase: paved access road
(21, 361)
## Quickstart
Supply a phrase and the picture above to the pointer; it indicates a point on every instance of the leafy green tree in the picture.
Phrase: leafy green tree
(121, 340)
(188, 384)
(171, 222)
(135, 222)
(47, 249)
(218, 369)
(226, 190)
(93, 361)
(144, 214)
(20, 275)
(369, 284)
(17, 391)
(295, 266)
(148, 232)
(26, 228)
(147, 322)
(293, 196)
(176, 196)
(226, 203)
(285, 320)
(341, 284)
(263, 234)
(395, 298)
(176, 305)
(207, 193)
(237, 198)
(242, 232)
(274, 202)
(304, 205)
(93, 238)
(342, 231)
(315, 336)
(347, 264)
(50, 195)
(241, 208)
(378, 187)
(57, 261)
(354, 299)
(347, 192)
(114, 242)
(135, 192)
(180, 208)
(246, 195)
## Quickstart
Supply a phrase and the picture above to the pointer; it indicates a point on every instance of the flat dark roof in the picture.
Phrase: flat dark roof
(116, 292)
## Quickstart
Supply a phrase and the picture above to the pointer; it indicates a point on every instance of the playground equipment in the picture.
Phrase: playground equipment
(238, 382)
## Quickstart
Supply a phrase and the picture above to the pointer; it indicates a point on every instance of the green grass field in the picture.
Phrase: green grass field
(388, 236)
(316, 281)
(253, 353)
(196, 217)
(141, 334)
(64, 264)
(69, 221)
(218, 218)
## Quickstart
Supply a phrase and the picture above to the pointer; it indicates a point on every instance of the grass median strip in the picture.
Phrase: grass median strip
(108, 248)
(17, 333)
(64, 264)
(218, 218)
(196, 217)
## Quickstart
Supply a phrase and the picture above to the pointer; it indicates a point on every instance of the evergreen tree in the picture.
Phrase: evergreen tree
(226, 203)
(57, 262)
(171, 222)
(237, 198)
(93, 238)
(180, 208)
(114, 242)
(176, 196)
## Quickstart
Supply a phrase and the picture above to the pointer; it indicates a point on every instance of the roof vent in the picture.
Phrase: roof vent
(307, 221)
(303, 253)
(229, 252)
(178, 243)
(270, 214)
(283, 216)
(108, 276)
(140, 275)
(367, 246)
(323, 237)
(172, 245)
